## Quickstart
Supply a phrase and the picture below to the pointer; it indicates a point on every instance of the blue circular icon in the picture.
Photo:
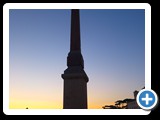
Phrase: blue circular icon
(147, 99)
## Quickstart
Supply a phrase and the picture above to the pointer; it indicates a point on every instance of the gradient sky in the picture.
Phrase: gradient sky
(112, 44)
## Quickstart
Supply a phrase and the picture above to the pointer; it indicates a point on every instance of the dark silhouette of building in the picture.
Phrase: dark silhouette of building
(135, 93)
(75, 78)
(133, 104)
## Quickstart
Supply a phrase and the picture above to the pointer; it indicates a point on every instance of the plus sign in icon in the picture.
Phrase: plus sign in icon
(147, 99)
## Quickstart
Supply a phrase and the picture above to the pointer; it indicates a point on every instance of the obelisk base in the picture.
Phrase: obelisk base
(75, 90)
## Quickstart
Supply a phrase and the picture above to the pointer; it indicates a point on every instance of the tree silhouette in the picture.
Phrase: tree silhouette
(119, 103)
(109, 107)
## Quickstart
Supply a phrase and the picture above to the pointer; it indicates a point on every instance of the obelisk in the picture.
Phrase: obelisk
(75, 78)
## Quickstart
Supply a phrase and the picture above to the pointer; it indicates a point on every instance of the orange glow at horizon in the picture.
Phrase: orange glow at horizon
(35, 104)
(17, 104)
(41, 100)
(51, 97)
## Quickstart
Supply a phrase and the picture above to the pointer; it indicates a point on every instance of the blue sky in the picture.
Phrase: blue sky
(112, 45)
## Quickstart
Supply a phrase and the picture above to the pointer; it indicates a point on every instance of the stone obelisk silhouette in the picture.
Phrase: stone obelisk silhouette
(75, 78)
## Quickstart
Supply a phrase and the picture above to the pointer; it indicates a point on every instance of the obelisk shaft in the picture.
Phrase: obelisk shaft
(75, 57)
(75, 78)
(75, 31)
